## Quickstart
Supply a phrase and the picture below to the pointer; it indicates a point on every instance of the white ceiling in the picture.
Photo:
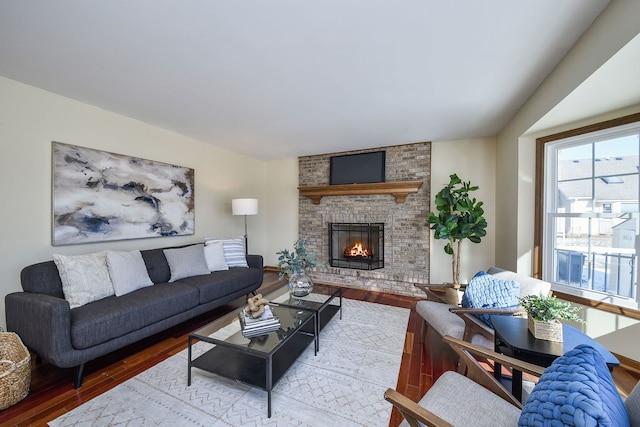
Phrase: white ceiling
(283, 78)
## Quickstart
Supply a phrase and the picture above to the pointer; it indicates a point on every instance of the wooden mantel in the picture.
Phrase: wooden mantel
(400, 190)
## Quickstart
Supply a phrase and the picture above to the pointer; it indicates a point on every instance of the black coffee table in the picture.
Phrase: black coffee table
(321, 302)
(262, 361)
(512, 338)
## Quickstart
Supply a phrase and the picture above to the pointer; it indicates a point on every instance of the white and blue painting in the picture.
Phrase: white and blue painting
(100, 196)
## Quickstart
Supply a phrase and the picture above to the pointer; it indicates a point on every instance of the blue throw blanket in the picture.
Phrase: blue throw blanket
(576, 390)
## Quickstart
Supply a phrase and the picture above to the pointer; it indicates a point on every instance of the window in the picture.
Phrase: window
(589, 218)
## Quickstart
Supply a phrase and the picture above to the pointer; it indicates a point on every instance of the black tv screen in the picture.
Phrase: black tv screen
(357, 168)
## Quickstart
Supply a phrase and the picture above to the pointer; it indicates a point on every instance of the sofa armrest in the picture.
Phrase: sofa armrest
(255, 261)
(43, 323)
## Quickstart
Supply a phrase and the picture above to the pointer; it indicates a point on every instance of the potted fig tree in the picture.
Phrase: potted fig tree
(459, 217)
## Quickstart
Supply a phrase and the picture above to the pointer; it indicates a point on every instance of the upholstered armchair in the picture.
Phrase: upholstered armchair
(576, 390)
(464, 323)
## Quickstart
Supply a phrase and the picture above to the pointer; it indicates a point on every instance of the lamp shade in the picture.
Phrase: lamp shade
(244, 206)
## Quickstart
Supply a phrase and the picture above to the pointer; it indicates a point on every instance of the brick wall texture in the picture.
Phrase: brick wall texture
(406, 241)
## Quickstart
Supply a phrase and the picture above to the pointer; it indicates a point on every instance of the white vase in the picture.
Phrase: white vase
(300, 284)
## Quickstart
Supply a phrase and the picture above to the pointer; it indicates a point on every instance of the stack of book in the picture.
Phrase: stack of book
(263, 324)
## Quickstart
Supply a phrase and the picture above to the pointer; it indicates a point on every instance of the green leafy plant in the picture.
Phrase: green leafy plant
(291, 262)
(459, 217)
(547, 308)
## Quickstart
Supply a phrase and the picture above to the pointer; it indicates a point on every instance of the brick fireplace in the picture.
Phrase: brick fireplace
(406, 232)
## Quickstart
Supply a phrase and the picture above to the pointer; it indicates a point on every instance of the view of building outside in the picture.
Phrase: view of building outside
(595, 213)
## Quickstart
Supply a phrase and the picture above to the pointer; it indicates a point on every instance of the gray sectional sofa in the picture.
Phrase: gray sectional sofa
(67, 337)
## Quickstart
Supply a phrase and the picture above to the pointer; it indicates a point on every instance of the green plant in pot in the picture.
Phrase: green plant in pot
(459, 217)
(293, 264)
(544, 313)
(547, 308)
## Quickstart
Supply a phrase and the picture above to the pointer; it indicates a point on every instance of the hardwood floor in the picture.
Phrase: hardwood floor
(52, 393)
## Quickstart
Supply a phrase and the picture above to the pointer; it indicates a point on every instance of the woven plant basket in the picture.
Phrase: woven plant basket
(15, 370)
(549, 331)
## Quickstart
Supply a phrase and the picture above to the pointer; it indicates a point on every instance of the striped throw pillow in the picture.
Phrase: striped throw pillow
(234, 252)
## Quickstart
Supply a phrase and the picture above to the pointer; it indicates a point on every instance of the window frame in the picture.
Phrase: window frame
(592, 299)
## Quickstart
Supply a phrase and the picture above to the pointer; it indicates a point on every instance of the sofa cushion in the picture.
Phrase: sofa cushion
(42, 278)
(487, 291)
(157, 265)
(223, 283)
(214, 255)
(453, 397)
(576, 390)
(85, 278)
(186, 262)
(127, 271)
(109, 318)
(438, 316)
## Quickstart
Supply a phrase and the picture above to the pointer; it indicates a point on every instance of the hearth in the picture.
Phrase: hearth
(356, 245)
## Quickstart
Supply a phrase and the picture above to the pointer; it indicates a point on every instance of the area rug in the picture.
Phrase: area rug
(343, 385)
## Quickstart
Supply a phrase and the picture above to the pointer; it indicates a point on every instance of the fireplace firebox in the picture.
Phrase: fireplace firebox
(356, 245)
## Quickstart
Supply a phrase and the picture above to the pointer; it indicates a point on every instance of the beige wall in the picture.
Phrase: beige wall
(31, 118)
(282, 200)
(473, 160)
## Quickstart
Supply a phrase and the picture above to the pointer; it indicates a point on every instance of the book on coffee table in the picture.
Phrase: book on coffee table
(263, 324)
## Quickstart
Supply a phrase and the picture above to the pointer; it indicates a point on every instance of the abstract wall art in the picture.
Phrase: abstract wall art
(100, 196)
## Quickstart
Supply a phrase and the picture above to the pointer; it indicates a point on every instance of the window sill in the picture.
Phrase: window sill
(598, 300)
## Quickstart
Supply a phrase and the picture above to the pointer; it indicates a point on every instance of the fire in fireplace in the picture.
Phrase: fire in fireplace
(358, 250)
(356, 245)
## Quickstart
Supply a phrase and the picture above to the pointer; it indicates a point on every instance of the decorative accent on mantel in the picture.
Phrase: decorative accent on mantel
(399, 190)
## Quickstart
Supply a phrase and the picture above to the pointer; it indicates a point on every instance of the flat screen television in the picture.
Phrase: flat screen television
(359, 168)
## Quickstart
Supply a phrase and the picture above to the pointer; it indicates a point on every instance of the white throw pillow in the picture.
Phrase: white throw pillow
(214, 255)
(85, 278)
(128, 271)
(186, 262)
(234, 252)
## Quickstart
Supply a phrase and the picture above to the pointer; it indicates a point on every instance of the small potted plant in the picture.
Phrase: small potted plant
(293, 264)
(544, 313)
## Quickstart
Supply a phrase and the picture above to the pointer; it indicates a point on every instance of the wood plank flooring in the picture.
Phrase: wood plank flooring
(52, 393)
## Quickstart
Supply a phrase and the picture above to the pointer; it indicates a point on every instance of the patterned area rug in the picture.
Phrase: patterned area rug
(343, 385)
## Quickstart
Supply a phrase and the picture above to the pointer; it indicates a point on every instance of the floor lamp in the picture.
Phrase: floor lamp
(244, 207)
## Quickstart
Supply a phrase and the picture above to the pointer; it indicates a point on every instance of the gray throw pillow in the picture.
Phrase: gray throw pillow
(186, 262)
(128, 271)
(214, 254)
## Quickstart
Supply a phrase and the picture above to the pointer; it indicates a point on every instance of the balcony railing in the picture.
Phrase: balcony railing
(612, 273)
